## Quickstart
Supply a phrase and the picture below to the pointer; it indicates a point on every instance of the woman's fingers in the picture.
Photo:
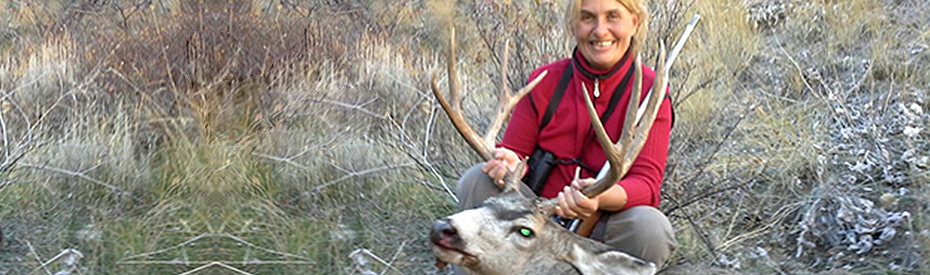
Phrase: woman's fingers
(579, 203)
(505, 160)
(574, 202)
(580, 184)
(564, 210)
(587, 206)
(496, 170)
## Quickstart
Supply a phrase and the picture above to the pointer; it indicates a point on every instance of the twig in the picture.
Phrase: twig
(63, 253)
(349, 176)
(808, 221)
(394, 258)
(423, 163)
(211, 264)
(83, 176)
(210, 235)
(33, 81)
(705, 195)
(6, 143)
(429, 130)
(287, 160)
(425, 156)
(779, 215)
(422, 182)
(188, 241)
(444, 184)
(702, 167)
(290, 159)
(699, 231)
(360, 108)
(39, 259)
(796, 65)
(227, 235)
(374, 257)
(670, 60)
(5, 184)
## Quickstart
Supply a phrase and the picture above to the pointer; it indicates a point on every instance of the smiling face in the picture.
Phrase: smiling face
(603, 32)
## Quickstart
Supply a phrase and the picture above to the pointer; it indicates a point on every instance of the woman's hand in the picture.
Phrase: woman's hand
(504, 161)
(573, 204)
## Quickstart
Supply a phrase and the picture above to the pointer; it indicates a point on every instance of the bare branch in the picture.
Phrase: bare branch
(286, 160)
(211, 264)
(350, 176)
(421, 160)
(83, 176)
(39, 259)
(358, 107)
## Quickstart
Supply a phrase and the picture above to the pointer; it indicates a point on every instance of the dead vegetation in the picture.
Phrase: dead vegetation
(283, 137)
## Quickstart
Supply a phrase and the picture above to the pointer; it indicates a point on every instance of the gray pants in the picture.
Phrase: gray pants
(641, 231)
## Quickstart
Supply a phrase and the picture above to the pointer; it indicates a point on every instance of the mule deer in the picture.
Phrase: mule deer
(512, 234)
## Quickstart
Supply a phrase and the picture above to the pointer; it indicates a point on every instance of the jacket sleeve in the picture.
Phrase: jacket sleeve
(644, 180)
(522, 131)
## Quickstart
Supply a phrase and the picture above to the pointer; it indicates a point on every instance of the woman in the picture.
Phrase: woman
(607, 33)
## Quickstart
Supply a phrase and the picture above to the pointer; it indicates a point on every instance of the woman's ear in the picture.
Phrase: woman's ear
(636, 23)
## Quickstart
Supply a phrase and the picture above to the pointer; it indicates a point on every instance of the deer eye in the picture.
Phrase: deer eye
(525, 232)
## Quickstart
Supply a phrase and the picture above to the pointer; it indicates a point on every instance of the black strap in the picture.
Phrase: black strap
(614, 101)
(672, 108)
(563, 85)
(556, 97)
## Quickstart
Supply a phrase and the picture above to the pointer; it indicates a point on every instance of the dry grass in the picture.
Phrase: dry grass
(279, 138)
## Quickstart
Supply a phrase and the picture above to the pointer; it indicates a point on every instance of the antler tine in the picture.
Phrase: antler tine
(504, 98)
(454, 111)
(616, 153)
(508, 101)
(453, 73)
(652, 107)
(635, 128)
(483, 146)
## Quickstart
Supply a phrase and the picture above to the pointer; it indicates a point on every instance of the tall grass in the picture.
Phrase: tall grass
(284, 137)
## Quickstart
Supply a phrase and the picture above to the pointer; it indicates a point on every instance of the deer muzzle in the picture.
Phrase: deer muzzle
(448, 245)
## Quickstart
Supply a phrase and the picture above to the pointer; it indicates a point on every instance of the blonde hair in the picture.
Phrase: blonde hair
(636, 7)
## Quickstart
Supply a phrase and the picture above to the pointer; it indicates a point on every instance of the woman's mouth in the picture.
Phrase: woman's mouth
(602, 44)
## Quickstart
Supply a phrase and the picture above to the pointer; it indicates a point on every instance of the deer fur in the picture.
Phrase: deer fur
(486, 240)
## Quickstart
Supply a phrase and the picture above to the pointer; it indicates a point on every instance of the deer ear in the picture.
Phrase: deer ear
(609, 262)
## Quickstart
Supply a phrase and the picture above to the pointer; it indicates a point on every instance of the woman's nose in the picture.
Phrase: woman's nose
(600, 29)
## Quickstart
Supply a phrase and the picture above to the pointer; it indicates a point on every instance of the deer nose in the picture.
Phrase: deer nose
(442, 230)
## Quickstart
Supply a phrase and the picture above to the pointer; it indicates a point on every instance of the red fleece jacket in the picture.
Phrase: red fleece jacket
(568, 132)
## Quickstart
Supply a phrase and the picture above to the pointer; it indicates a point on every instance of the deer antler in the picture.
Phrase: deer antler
(636, 129)
(484, 146)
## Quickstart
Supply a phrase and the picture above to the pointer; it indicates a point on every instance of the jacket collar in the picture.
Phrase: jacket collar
(582, 66)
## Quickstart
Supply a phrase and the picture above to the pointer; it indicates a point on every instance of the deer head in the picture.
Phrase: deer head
(511, 234)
